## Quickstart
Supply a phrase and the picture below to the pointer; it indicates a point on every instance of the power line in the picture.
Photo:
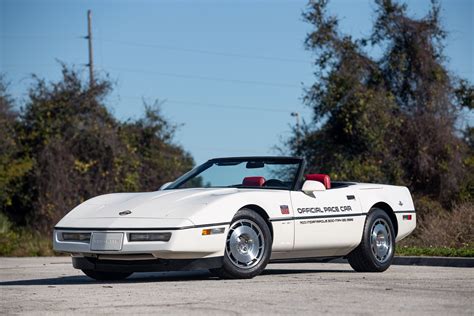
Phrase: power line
(36, 36)
(185, 76)
(28, 65)
(236, 107)
(167, 47)
(216, 105)
(202, 104)
(207, 52)
(175, 75)
(228, 150)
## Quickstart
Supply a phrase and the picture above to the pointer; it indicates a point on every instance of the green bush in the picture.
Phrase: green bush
(435, 251)
(22, 242)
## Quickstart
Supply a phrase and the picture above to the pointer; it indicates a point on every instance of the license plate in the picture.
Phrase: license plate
(106, 241)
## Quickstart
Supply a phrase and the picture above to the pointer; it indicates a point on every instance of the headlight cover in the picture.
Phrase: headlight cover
(149, 237)
(77, 237)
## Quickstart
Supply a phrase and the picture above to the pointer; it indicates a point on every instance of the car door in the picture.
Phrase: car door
(328, 222)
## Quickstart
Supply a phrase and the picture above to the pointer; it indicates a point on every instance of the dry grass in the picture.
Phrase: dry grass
(22, 242)
(439, 228)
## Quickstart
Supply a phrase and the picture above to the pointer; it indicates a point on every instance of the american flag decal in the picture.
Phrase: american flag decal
(284, 209)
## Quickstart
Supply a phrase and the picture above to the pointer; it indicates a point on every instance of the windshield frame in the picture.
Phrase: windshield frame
(297, 182)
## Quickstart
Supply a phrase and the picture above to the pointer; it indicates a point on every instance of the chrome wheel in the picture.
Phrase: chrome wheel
(381, 240)
(245, 244)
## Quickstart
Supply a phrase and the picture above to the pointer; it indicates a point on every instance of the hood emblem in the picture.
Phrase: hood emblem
(127, 212)
(400, 203)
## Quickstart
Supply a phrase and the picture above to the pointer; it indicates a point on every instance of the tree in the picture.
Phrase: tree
(353, 110)
(390, 120)
(150, 140)
(79, 150)
(426, 97)
(12, 165)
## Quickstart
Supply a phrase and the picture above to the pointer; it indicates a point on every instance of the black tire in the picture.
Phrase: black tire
(107, 276)
(231, 269)
(366, 258)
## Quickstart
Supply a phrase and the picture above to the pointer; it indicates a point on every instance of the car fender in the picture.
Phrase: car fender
(399, 202)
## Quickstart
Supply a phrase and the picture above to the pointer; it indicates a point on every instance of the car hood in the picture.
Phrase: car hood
(160, 204)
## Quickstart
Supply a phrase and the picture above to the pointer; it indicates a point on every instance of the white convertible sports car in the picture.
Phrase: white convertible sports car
(232, 216)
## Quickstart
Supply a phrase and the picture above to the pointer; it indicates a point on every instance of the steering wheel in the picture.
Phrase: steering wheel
(274, 183)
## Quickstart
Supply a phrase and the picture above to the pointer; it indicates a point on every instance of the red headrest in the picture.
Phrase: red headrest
(253, 181)
(323, 178)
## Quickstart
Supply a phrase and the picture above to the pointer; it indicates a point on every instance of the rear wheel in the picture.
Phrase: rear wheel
(376, 250)
(106, 276)
(248, 247)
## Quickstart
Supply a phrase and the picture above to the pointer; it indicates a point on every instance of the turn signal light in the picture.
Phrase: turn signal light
(213, 231)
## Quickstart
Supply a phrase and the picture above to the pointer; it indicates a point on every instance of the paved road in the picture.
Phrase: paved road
(51, 285)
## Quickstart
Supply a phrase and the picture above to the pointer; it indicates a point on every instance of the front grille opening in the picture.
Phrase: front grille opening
(127, 257)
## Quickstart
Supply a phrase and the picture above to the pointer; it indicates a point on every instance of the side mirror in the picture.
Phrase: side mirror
(164, 186)
(309, 186)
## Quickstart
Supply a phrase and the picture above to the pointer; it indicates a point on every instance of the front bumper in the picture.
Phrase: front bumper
(156, 265)
(185, 243)
(406, 223)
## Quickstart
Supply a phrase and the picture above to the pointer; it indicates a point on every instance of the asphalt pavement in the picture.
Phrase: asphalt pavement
(52, 286)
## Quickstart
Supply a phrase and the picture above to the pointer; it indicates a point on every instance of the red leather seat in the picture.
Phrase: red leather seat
(323, 178)
(253, 181)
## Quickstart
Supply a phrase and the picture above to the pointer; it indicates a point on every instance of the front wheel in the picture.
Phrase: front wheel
(106, 276)
(248, 247)
(376, 250)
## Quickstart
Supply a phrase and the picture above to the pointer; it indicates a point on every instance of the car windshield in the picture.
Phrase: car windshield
(255, 173)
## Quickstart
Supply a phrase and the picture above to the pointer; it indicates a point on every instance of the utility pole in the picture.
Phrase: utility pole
(297, 115)
(91, 56)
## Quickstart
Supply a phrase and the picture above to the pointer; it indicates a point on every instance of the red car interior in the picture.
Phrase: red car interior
(253, 181)
(323, 178)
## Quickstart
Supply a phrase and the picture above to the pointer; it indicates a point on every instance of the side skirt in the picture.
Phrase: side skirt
(306, 260)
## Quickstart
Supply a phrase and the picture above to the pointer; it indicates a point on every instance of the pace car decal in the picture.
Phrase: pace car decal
(329, 209)
(327, 220)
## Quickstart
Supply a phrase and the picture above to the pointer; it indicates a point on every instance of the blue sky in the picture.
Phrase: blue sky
(230, 72)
